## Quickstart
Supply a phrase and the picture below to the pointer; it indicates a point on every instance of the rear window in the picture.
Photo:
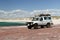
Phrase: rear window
(49, 17)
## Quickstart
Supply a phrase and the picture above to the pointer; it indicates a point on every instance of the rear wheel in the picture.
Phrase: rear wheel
(48, 25)
(35, 26)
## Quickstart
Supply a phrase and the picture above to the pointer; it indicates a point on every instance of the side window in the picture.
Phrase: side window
(41, 19)
(45, 18)
(49, 17)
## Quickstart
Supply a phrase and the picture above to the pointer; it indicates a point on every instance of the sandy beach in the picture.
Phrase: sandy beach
(23, 33)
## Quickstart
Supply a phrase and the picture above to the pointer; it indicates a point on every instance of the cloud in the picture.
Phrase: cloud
(14, 14)
(22, 13)
(53, 12)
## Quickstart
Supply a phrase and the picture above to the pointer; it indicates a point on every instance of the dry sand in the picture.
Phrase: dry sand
(22, 33)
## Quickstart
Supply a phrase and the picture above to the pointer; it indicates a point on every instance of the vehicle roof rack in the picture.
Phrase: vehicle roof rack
(44, 15)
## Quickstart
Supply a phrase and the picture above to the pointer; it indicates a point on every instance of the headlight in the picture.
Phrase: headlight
(29, 23)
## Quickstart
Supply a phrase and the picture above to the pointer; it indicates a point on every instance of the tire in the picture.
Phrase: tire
(42, 26)
(29, 27)
(35, 26)
(48, 25)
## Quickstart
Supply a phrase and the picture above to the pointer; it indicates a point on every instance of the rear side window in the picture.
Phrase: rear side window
(45, 18)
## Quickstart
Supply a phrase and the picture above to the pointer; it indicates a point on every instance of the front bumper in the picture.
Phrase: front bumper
(29, 23)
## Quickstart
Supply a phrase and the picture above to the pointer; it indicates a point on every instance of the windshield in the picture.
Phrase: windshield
(35, 19)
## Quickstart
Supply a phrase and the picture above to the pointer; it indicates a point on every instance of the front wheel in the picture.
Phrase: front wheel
(29, 27)
(35, 26)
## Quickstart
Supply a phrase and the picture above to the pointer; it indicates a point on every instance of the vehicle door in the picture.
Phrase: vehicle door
(45, 20)
(41, 21)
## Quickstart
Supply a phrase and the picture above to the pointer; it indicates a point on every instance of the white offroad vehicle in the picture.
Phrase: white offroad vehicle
(40, 21)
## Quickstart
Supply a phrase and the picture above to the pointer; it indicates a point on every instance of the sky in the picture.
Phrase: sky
(29, 4)
(28, 8)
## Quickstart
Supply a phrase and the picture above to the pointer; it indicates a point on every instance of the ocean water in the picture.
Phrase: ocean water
(12, 23)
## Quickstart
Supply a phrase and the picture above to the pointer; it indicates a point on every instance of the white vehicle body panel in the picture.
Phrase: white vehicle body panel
(43, 20)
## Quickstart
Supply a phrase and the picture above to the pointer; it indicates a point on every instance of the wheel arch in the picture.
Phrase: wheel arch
(48, 23)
